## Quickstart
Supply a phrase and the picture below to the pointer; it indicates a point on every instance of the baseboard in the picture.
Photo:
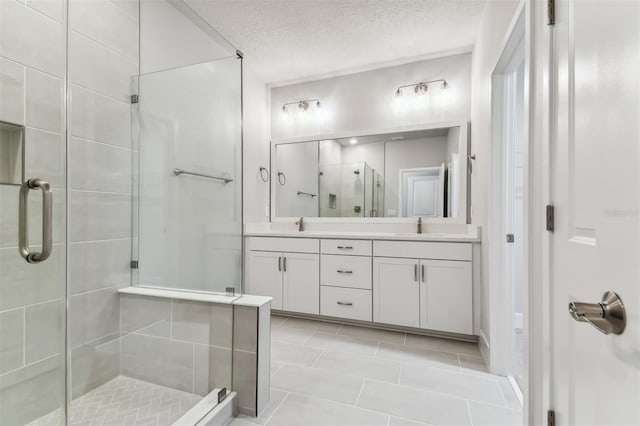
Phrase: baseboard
(485, 350)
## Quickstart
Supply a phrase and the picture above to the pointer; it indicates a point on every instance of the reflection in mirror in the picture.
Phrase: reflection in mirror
(403, 174)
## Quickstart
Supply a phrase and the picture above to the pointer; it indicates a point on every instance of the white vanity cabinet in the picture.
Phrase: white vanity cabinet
(290, 277)
(418, 284)
(423, 284)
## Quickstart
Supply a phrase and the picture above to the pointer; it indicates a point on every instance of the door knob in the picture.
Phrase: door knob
(608, 316)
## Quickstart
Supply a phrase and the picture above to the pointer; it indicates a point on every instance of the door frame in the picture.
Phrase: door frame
(502, 98)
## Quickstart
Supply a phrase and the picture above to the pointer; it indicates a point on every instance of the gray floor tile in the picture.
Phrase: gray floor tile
(418, 356)
(318, 383)
(446, 345)
(299, 336)
(297, 410)
(398, 421)
(452, 383)
(373, 334)
(327, 327)
(473, 363)
(489, 415)
(358, 365)
(285, 353)
(334, 342)
(414, 404)
(277, 319)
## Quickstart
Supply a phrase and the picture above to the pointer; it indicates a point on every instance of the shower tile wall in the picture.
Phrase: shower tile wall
(31, 297)
(103, 57)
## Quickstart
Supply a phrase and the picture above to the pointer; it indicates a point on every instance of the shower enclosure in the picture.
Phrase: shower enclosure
(120, 169)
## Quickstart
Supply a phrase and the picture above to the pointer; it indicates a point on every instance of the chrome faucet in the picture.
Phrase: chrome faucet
(419, 225)
(300, 224)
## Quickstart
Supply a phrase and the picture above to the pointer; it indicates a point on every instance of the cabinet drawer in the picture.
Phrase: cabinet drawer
(345, 271)
(293, 245)
(345, 303)
(422, 250)
(348, 247)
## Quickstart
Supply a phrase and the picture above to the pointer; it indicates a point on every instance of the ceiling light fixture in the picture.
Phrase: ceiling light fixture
(353, 141)
(422, 87)
(303, 105)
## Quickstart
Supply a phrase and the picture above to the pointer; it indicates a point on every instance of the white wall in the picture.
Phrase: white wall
(496, 19)
(366, 101)
(256, 148)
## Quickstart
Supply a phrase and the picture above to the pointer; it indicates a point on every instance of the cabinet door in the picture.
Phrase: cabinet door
(301, 283)
(396, 291)
(264, 276)
(446, 296)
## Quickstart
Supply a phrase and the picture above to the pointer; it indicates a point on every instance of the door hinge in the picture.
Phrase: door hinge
(511, 238)
(134, 264)
(551, 12)
(551, 218)
(551, 418)
(135, 99)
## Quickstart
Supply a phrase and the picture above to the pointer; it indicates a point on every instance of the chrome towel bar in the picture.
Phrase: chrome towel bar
(179, 172)
(306, 193)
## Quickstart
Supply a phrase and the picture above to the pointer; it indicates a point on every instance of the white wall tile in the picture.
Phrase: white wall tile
(44, 330)
(11, 344)
(31, 38)
(11, 92)
(99, 216)
(21, 285)
(130, 7)
(52, 8)
(99, 118)
(99, 264)
(44, 156)
(98, 68)
(99, 167)
(93, 315)
(44, 101)
(106, 23)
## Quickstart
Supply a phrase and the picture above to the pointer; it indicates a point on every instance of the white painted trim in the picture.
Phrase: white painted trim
(518, 320)
(485, 348)
(516, 389)
(372, 67)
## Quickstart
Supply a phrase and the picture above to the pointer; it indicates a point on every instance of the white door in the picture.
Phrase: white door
(596, 190)
(422, 192)
(264, 276)
(301, 283)
(396, 291)
(446, 296)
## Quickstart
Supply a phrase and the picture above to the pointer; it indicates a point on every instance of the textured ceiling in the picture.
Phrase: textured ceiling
(285, 40)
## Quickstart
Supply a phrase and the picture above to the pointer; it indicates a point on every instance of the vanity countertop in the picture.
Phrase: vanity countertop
(393, 236)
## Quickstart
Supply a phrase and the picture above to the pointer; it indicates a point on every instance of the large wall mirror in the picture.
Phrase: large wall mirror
(411, 173)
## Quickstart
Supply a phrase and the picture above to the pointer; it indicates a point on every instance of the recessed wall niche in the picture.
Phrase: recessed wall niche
(11, 153)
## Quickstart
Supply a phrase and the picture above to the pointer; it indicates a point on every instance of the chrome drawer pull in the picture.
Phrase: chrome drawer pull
(345, 247)
(344, 271)
(345, 303)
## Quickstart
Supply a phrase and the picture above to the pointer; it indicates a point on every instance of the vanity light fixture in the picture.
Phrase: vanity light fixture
(422, 87)
(303, 105)
(353, 141)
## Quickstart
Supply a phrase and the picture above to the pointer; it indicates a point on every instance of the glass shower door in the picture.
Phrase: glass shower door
(32, 213)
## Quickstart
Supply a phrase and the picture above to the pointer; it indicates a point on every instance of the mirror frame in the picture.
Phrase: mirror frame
(465, 178)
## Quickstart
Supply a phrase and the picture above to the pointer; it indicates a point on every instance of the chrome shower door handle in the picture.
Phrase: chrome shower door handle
(47, 220)
(608, 316)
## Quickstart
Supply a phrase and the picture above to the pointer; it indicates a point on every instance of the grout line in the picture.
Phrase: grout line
(313, 333)
(32, 305)
(90, 191)
(375, 354)
(469, 411)
(117, 286)
(339, 329)
(29, 365)
(400, 372)
(97, 142)
(405, 339)
(313, 365)
(114, 51)
(360, 393)
(506, 403)
(95, 92)
(459, 362)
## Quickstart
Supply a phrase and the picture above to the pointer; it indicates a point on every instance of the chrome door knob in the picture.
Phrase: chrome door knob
(608, 316)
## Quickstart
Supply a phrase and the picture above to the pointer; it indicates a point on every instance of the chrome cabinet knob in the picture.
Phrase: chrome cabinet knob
(608, 316)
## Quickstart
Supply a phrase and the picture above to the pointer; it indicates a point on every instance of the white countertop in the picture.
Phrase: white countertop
(248, 300)
(393, 236)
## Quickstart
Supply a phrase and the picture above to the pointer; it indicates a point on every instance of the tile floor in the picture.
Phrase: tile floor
(126, 401)
(326, 374)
